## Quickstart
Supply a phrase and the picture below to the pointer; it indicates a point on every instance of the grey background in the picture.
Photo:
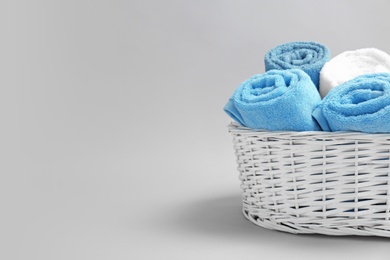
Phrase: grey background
(113, 139)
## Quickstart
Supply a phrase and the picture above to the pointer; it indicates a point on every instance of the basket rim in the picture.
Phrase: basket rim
(236, 128)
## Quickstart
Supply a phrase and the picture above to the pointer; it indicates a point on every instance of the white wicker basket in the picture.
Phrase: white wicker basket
(332, 183)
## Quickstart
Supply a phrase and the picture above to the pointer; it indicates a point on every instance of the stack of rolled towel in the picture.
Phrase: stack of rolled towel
(302, 90)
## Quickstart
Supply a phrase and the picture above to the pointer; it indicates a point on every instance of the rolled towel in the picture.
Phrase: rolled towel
(275, 100)
(361, 104)
(350, 64)
(307, 56)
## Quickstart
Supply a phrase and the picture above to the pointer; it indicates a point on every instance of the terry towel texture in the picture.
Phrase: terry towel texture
(361, 104)
(307, 56)
(275, 100)
(351, 64)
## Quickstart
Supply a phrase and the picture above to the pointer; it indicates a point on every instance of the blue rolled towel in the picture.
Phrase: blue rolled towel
(307, 56)
(275, 100)
(361, 104)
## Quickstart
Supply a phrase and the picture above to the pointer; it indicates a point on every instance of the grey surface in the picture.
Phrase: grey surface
(113, 139)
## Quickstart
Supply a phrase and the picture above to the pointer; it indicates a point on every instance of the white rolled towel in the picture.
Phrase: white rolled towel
(350, 64)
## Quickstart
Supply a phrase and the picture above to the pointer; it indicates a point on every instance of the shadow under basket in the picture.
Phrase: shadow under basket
(332, 183)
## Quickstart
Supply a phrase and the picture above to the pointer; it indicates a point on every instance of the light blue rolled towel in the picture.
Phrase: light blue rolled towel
(307, 56)
(275, 100)
(361, 104)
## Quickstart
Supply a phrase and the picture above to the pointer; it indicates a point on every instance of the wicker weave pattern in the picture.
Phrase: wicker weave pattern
(315, 182)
